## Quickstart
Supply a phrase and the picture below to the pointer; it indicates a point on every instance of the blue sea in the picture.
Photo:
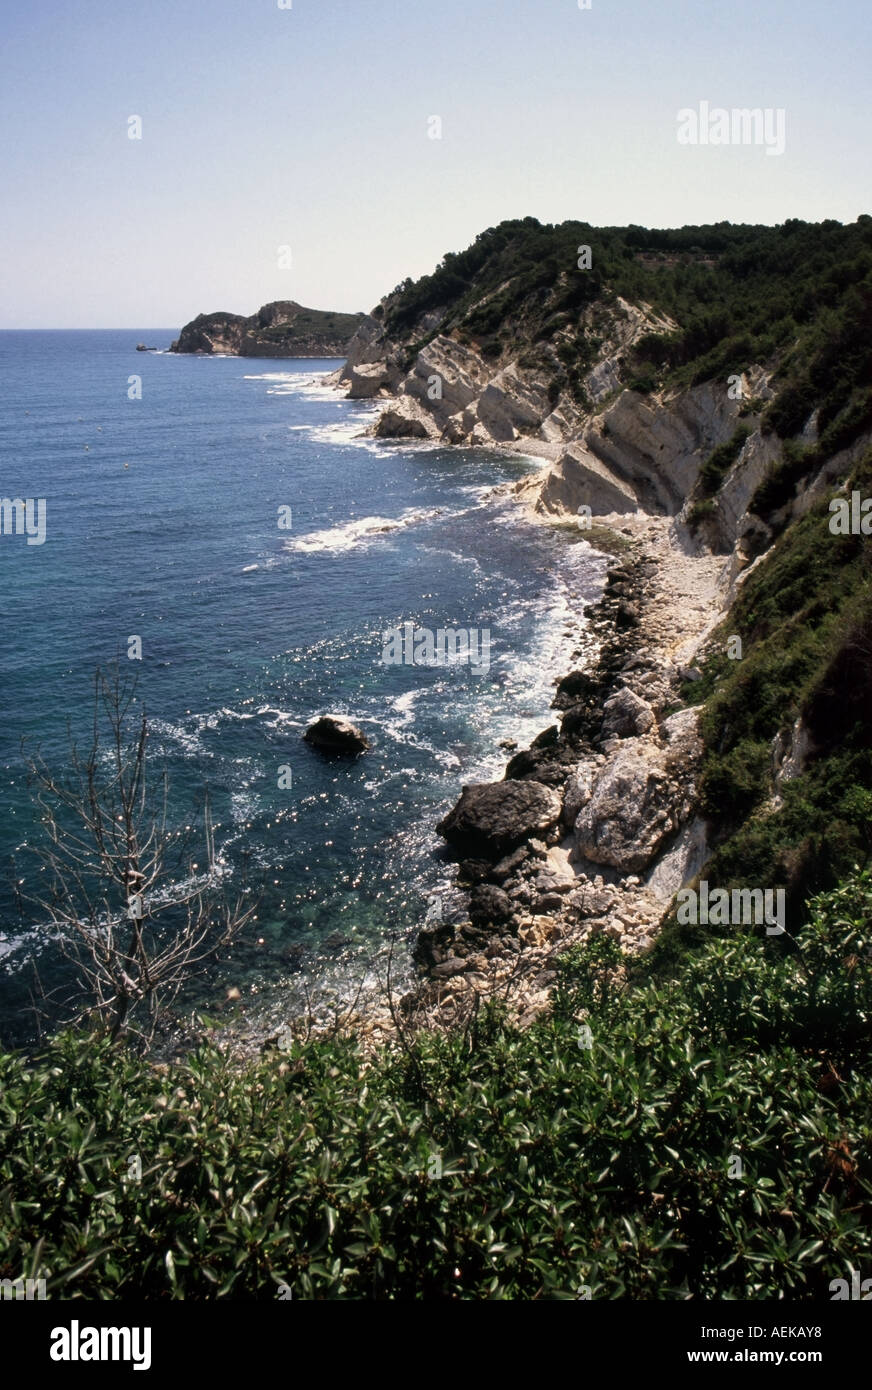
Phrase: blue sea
(162, 522)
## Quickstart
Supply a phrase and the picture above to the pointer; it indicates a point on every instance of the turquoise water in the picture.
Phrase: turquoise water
(161, 521)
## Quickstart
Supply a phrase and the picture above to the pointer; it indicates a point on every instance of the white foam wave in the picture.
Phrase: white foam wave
(364, 530)
(272, 376)
(453, 555)
(304, 383)
(345, 434)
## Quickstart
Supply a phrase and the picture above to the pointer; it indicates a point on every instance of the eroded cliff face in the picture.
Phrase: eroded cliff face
(615, 450)
(450, 390)
(642, 452)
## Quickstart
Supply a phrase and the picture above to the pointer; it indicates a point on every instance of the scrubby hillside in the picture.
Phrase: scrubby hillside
(582, 1097)
(785, 704)
(579, 335)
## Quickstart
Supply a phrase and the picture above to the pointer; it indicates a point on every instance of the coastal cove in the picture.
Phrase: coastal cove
(161, 522)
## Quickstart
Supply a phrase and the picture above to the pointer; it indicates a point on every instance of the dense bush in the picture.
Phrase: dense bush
(798, 461)
(594, 1150)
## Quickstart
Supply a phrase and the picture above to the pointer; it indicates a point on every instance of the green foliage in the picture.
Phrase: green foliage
(721, 460)
(780, 485)
(798, 461)
(336, 329)
(645, 380)
(506, 1164)
(586, 979)
(805, 620)
(736, 781)
(700, 511)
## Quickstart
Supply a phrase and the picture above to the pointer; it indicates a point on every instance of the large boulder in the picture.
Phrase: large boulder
(394, 424)
(491, 818)
(681, 732)
(488, 904)
(634, 807)
(332, 733)
(574, 689)
(547, 760)
(578, 791)
(626, 715)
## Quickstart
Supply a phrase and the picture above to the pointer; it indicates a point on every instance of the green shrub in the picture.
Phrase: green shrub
(645, 380)
(779, 486)
(504, 1164)
(700, 511)
(721, 460)
(734, 782)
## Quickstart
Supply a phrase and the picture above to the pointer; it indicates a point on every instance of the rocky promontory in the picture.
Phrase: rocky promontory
(281, 329)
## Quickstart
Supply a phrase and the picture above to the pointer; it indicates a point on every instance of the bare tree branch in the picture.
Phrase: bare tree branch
(135, 913)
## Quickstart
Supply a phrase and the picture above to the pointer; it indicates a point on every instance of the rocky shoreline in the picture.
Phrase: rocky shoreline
(593, 827)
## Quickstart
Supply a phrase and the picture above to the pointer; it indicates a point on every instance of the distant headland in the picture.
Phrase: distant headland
(281, 329)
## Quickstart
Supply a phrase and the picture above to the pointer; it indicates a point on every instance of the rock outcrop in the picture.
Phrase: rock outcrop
(466, 397)
(595, 826)
(639, 800)
(404, 420)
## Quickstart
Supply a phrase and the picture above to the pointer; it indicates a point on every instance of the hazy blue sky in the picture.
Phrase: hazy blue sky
(308, 127)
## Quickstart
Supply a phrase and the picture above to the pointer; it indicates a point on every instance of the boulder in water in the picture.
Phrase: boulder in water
(332, 733)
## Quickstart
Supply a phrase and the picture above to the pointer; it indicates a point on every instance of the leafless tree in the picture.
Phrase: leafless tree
(133, 907)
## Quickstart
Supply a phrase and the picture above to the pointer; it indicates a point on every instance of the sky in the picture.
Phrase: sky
(289, 153)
